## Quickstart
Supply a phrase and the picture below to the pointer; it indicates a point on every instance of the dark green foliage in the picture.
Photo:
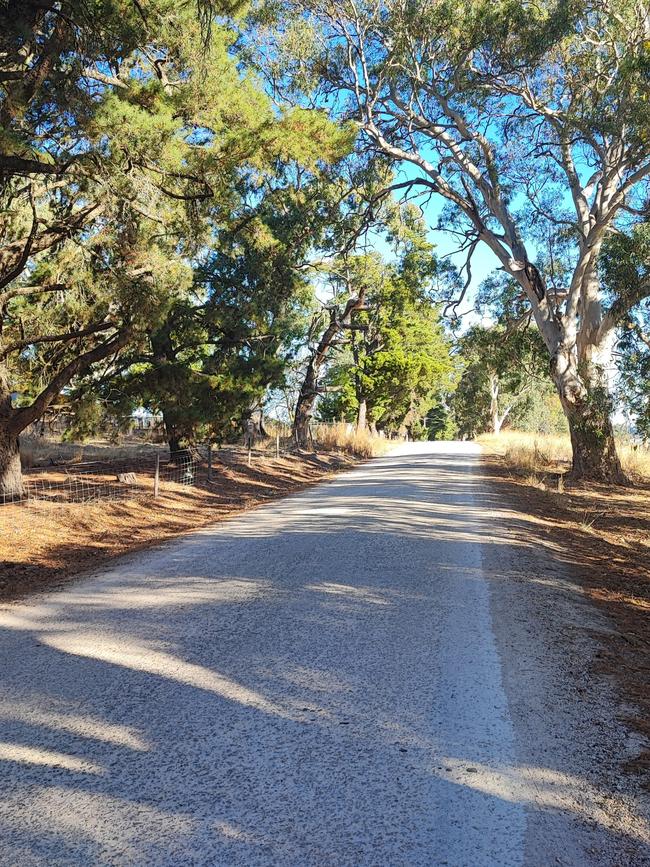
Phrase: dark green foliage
(399, 358)
(626, 274)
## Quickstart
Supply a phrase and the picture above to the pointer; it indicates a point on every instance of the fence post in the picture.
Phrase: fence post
(209, 462)
(156, 478)
(277, 445)
(250, 451)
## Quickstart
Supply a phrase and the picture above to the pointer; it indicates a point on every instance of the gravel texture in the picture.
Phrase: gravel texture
(387, 669)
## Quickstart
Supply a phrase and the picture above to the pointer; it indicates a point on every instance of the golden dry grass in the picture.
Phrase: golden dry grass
(342, 438)
(540, 453)
(36, 451)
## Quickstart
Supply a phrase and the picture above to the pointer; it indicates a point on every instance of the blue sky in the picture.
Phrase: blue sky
(483, 261)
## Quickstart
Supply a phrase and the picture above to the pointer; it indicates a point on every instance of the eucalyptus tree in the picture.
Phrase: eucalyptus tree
(503, 366)
(336, 318)
(348, 210)
(531, 121)
(625, 269)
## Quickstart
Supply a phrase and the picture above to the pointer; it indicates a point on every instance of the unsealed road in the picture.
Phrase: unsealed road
(388, 669)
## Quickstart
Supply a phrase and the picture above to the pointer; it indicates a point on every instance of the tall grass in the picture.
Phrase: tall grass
(37, 451)
(345, 438)
(540, 453)
(635, 460)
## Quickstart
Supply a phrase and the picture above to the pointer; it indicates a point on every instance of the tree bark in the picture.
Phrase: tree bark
(14, 420)
(257, 417)
(309, 390)
(580, 350)
(362, 423)
(11, 480)
(587, 405)
(305, 404)
(362, 410)
(173, 441)
(494, 404)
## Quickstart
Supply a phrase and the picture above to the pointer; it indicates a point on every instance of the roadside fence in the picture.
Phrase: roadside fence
(126, 478)
(106, 480)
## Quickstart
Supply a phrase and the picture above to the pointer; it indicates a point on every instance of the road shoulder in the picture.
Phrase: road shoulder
(569, 711)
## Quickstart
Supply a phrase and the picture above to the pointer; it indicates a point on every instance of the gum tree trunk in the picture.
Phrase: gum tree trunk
(587, 405)
(305, 405)
(497, 420)
(310, 390)
(362, 410)
(580, 346)
(593, 445)
(362, 423)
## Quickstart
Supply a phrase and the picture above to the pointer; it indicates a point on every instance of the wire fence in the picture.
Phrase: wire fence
(124, 478)
(105, 480)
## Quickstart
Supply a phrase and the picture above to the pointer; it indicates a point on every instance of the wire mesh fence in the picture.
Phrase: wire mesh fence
(181, 468)
(105, 480)
(131, 477)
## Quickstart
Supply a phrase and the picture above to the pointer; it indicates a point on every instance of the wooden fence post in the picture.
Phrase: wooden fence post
(250, 452)
(156, 478)
(209, 462)
(277, 445)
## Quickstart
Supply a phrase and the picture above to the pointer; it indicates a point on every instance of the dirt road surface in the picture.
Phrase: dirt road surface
(387, 669)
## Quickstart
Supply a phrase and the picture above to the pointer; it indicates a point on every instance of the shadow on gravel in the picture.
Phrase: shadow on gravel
(131, 675)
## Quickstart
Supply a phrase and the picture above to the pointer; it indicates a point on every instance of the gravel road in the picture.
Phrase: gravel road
(391, 668)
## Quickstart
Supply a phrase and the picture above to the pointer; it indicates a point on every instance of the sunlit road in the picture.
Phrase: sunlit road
(388, 669)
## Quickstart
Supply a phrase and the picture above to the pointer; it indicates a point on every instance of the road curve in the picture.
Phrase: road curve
(387, 669)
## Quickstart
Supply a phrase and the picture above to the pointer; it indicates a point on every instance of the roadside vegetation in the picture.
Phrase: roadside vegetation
(45, 541)
(546, 458)
(601, 534)
(205, 205)
(347, 438)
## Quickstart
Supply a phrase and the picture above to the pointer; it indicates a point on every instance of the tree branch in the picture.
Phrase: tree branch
(11, 165)
(21, 418)
(55, 338)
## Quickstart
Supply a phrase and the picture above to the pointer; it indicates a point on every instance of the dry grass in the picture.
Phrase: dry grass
(534, 454)
(340, 437)
(636, 461)
(41, 451)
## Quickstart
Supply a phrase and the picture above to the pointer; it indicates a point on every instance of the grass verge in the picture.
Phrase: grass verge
(541, 454)
(345, 438)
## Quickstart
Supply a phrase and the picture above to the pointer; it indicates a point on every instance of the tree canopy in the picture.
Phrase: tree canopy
(179, 181)
(531, 123)
(398, 361)
(129, 142)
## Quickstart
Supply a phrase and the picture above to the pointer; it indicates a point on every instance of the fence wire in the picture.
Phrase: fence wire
(181, 468)
(131, 478)
(105, 480)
